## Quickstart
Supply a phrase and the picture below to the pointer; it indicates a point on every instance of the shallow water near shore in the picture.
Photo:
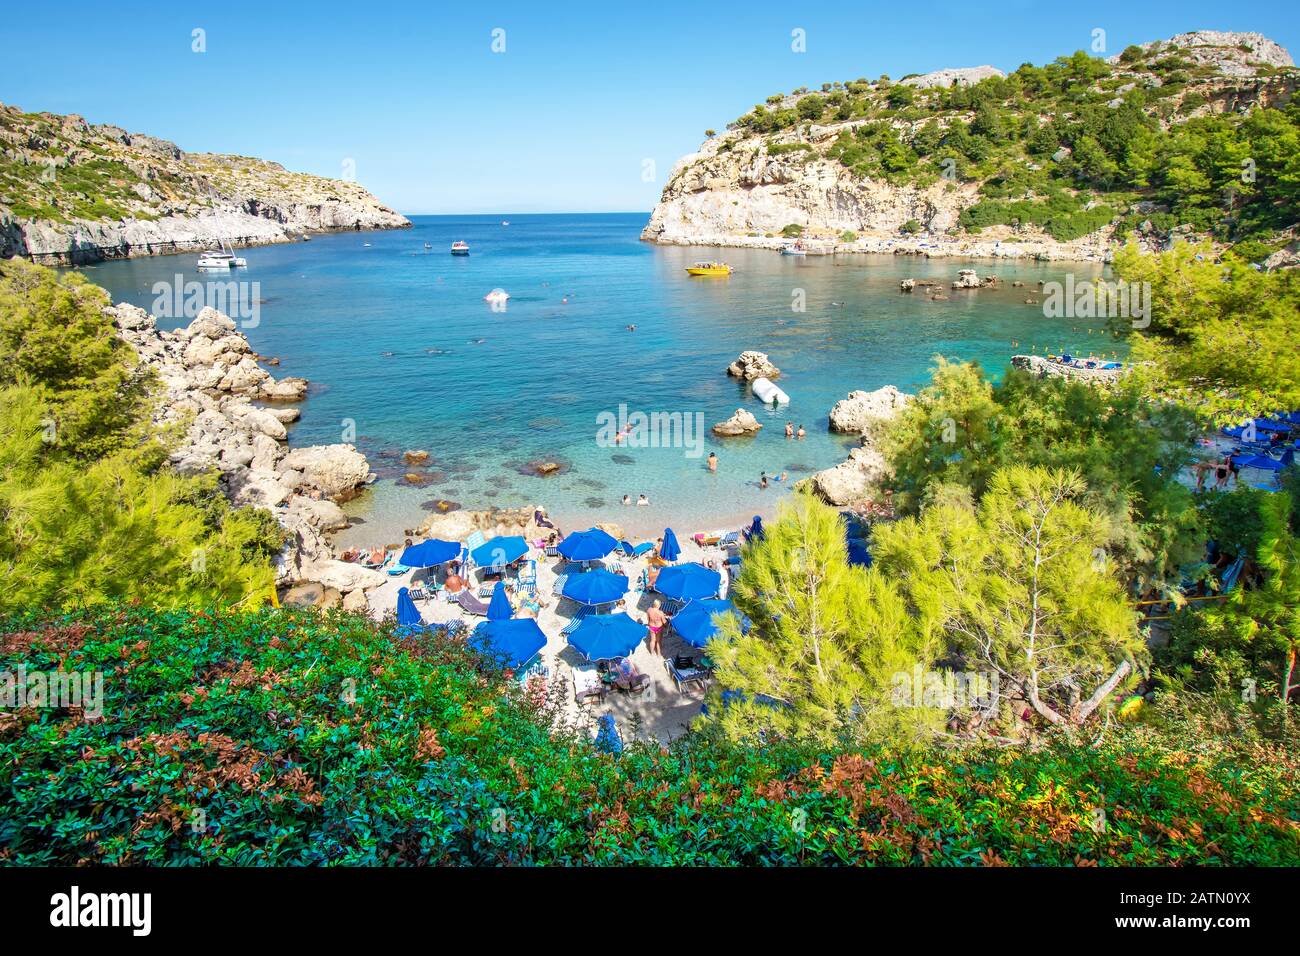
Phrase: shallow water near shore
(398, 340)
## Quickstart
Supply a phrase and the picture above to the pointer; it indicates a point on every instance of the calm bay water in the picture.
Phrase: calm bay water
(400, 341)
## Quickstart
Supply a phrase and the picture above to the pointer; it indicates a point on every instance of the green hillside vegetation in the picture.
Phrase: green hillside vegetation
(1069, 146)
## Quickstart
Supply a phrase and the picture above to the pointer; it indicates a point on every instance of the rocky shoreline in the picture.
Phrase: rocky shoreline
(234, 417)
(1090, 249)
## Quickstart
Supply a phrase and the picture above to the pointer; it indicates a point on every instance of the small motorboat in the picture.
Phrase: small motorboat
(709, 269)
(795, 249)
(505, 222)
(460, 248)
(497, 297)
(428, 245)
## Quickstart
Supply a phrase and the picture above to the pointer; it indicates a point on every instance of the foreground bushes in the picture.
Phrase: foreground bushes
(284, 737)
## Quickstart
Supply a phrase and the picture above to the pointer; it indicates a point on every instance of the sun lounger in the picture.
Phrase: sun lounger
(470, 604)
(575, 621)
(699, 676)
(558, 587)
(587, 683)
(397, 569)
(528, 578)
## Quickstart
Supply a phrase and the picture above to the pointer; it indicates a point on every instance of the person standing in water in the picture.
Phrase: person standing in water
(789, 429)
(762, 481)
(801, 432)
(713, 462)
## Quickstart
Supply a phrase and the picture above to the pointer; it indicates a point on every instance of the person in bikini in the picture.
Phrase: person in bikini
(656, 619)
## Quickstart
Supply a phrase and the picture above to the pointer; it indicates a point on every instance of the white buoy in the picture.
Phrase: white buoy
(768, 393)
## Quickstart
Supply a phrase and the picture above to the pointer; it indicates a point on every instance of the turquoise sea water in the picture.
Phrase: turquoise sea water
(400, 341)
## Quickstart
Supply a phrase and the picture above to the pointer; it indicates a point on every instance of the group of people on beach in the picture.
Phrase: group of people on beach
(1223, 468)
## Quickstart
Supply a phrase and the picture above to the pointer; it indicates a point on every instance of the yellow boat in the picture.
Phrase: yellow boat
(709, 269)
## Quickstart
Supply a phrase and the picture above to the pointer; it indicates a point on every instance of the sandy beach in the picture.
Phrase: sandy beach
(661, 712)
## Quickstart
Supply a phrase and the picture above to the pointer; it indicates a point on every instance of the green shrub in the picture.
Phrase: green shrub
(289, 737)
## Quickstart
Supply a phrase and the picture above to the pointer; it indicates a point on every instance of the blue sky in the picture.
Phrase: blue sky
(563, 120)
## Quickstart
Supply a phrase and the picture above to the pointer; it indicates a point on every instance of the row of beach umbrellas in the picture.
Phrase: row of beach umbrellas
(597, 637)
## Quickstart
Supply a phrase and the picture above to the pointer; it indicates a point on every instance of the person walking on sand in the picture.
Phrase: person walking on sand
(655, 618)
(713, 462)
(1221, 473)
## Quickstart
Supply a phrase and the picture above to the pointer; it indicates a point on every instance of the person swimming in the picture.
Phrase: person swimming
(627, 499)
(762, 481)
(642, 500)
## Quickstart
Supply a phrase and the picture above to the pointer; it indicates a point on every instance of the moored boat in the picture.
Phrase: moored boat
(216, 259)
(709, 269)
(460, 248)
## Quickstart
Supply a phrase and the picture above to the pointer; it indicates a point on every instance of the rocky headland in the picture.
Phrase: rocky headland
(150, 197)
(859, 167)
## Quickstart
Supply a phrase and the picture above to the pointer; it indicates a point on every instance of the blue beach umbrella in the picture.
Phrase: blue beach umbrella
(499, 551)
(587, 545)
(595, 587)
(694, 623)
(688, 581)
(500, 609)
(602, 637)
(607, 736)
(516, 641)
(670, 550)
(430, 554)
(408, 615)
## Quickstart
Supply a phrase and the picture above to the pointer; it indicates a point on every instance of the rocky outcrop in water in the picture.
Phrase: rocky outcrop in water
(150, 197)
(209, 380)
(1041, 367)
(742, 422)
(752, 365)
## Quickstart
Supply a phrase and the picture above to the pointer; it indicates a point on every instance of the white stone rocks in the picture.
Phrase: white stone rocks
(210, 378)
(751, 365)
(741, 423)
(861, 410)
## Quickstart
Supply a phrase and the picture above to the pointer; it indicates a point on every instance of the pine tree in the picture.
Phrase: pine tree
(825, 644)
(1021, 584)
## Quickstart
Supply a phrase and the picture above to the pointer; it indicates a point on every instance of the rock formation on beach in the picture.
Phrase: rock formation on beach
(1044, 368)
(751, 365)
(742, 422)
(210, 378)
(861, 410)
(73, 192)
(856, 479)
(877, 166)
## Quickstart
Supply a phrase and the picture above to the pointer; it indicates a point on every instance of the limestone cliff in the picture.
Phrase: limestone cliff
(881, 166)
(74, 192)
